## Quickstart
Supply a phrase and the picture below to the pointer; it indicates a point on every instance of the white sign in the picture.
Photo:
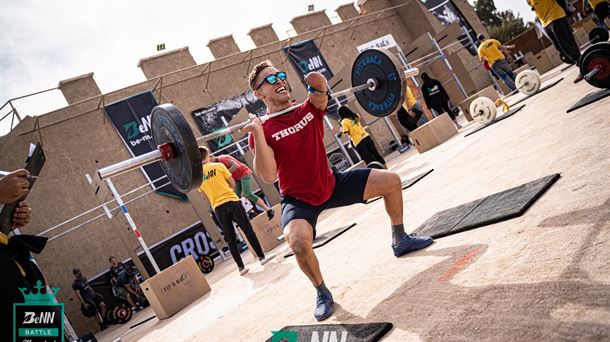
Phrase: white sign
(385, 42)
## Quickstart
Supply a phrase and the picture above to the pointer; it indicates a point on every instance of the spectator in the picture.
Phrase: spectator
(88, 297)
(351, 125)
(491, 51)
(436, 97)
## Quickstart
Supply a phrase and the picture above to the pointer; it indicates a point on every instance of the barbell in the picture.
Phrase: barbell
(378, 83)
(483, 109)
(598, 35)
(594, 65)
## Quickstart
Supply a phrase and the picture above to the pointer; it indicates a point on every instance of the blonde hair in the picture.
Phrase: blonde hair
(257, 70)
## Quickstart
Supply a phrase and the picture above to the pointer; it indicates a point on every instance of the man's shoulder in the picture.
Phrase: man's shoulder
(223, 158)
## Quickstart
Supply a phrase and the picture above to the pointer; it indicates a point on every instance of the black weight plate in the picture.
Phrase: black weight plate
(169, 126)
(90, 312)
(597, 54)
(206, 264)
(598, 35)
(122, 314)
(389, 94)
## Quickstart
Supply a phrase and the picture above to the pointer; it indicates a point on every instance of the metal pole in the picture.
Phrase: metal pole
(338, 141)
(442, 55)
(226, 123)
(132, 224)
(392, 130)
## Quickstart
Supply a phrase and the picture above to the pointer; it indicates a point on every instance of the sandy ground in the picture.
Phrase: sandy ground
(542, 276)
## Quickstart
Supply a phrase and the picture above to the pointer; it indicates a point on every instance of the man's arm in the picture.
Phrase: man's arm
(264, 159)
(317, 90)
(80, 298)
(231, 182)
(233, 166)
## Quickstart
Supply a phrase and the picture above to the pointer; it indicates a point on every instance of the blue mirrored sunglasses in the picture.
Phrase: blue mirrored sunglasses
(272, 79)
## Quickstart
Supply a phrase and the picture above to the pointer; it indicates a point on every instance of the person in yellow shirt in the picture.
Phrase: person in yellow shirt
(351, 125)
(490, 50)
(600, 8)
(553, 18)
(411, 114)
(218, 186)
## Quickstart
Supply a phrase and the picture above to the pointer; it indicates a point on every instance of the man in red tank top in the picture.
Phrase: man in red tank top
(291, 148)
(243, 181)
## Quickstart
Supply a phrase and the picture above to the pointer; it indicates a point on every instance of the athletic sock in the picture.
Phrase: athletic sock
(322, 288)
(398, 232)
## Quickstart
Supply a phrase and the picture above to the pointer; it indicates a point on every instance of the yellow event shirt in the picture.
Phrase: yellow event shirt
(410, 101)
(354, 129)
(490, 51)
(547, 10)
(215, 185)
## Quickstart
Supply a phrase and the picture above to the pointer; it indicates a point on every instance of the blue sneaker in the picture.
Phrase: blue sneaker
(324, 306)
(410, 243)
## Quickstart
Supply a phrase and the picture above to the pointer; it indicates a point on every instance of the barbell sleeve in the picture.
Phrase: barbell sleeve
(594, 71)
(129, 164)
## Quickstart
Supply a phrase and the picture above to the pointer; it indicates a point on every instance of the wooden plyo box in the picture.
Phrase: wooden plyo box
(433, 133)
(489, 92)
(175, 287)
(267, 230)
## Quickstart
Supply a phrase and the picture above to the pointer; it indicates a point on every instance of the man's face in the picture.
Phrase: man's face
(78, 275)
(274, 93)
(113, 261)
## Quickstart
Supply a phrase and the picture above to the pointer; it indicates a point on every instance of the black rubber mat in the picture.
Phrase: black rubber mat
(406, 184)
(411, 181)
(495, 208)
(364, 332)
(590, 98)
(144, 321)
(327, 237)
(497, 119)
(542, 88)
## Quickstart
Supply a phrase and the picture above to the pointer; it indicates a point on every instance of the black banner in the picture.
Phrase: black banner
(306, 57)
(131, 119)
(210, 119)
(447, 13)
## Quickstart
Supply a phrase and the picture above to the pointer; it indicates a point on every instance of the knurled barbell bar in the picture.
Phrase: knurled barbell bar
(483, 109)
(379, 86)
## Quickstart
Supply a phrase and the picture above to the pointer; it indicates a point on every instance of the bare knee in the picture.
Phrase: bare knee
(381, 183)
(393, 181)
(299, 236)
(299, 244)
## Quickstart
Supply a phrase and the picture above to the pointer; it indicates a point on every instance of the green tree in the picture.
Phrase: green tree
(511, 25)
(486, 10)
(504, 25)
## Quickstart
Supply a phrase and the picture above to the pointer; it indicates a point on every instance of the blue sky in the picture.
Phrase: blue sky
(43, 42)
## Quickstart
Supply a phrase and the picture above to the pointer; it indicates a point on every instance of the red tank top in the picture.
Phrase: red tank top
(297, 141)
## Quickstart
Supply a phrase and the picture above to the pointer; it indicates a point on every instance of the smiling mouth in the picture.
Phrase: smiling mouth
(281, 90)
